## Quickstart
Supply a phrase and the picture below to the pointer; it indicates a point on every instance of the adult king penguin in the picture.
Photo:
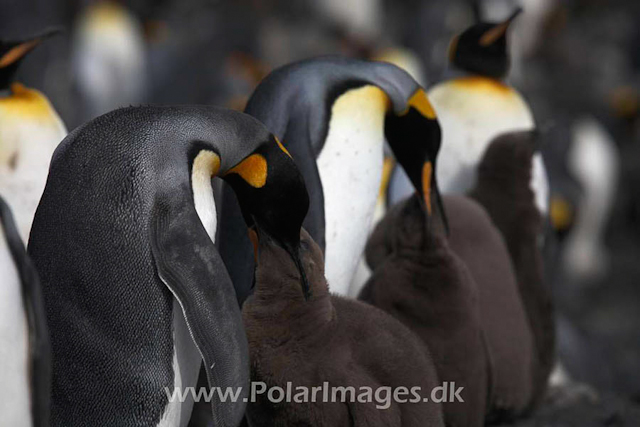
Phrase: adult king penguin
(30, 130)
(25, 371)
(333, 114)
(135, 291)
(476, 105)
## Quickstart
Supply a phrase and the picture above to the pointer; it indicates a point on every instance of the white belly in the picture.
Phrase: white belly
(350, 167)
(186, 368)
(34, 141)
(471, 115)
(15, 400)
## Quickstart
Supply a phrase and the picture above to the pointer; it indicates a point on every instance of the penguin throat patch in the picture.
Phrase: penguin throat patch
(253, 170)
(427, 170)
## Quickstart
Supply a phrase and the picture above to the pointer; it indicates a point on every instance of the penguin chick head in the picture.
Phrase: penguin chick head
(510, 156)
(482, 48)
(273, 198)
(12, 52)
(276, 270)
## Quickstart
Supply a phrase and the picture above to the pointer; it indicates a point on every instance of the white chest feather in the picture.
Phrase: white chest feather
(28, 139)
(350, 167)
(472, 112)
(15, 401)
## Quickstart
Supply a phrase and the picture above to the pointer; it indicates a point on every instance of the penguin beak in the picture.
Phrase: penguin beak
(22, 48)
(499, 31)
(259, 235)
(430, 190)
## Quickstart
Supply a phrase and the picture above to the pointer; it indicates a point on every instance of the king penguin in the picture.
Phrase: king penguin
(109, 58)
(30, 130)
(475, 105)
(136, 294)
(333, 114)
(25, 371)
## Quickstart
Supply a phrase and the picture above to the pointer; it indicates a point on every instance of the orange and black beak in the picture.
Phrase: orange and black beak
(12, 52)
(273, 199)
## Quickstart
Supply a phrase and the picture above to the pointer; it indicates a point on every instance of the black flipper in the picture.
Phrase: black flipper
(190, 266)
(39, 344)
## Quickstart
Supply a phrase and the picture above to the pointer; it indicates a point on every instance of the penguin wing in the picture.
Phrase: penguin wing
(191, 267)
(39, 344)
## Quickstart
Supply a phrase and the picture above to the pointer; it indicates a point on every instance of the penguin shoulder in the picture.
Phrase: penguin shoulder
(477, 94)
(27, 104)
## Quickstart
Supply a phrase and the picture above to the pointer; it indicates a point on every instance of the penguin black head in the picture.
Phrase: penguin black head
(287, 101)
(414, 136)
(482, 48)
(258, 182)
(12, 53)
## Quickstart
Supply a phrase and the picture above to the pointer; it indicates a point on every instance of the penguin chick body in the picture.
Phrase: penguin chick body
(328, 339)
(25, 371)
(30, 130)
(478, 106)
(508, 342)
(429, 289)
(503, 190)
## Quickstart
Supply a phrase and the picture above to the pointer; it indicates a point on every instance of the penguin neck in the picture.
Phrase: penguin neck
(205, 166)
(350, 167)
(278, 306)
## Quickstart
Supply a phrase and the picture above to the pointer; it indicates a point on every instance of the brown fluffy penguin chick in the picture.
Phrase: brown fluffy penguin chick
(330, 339)
(508, 342)
(428, 288)
(504, 189)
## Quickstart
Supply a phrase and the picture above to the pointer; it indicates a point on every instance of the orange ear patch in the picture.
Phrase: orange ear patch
(253, 170)
(427, 170)
(17, 52)
(420, 102)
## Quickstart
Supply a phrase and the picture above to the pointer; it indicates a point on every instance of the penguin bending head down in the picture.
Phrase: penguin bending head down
(30, 129)
(333, 115)
(134, 287)
(475, 105)
(25, 371)
(321, 340)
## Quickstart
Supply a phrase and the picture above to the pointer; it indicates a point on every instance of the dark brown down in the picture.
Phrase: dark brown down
(328, 339)
(508, 346)
(504, 190)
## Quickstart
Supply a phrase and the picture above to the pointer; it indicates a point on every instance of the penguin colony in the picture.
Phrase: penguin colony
(141, 289)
